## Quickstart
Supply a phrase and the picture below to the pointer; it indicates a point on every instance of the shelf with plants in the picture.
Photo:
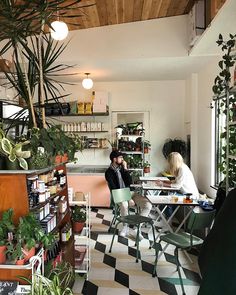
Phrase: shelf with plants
(132, 143)
(51, 223)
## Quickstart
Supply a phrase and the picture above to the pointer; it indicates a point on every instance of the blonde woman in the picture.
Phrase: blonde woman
(184, 180)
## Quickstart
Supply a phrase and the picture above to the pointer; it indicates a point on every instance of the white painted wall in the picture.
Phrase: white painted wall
(163, 99)
(202, 153)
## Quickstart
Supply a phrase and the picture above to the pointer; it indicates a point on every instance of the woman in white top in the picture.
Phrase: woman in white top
(184, 180)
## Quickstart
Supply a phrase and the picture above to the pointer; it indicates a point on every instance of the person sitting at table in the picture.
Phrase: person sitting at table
(117, 176)
(184, 181)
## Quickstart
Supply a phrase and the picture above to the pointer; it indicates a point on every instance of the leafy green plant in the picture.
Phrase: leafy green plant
(40, 285)
(13, 151)
(6, 226)
(226, 109)
(78, 214)
(221, 82)
(65, 273)
(14, 251)
(174, 145)
(34, 53)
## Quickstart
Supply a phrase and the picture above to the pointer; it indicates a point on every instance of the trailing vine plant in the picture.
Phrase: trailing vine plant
(224, 98)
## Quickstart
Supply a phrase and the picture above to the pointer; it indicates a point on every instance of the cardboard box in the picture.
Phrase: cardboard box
(79, 196)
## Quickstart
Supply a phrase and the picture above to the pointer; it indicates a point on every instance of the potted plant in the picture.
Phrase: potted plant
(3, 247)
(65, 273)
(174, 145)
(15, 253)
(40, 285)
(146, 167)
(146, 146)
(78, 217)
(6, 232)
(12, 152)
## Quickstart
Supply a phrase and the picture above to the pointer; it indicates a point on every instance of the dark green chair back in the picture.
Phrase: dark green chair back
(121, 195)
(200, 220)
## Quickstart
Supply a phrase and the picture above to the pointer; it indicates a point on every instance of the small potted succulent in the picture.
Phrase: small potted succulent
(78, 217)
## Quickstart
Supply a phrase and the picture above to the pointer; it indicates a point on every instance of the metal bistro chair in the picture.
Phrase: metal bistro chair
(185, 240)
(122, 195)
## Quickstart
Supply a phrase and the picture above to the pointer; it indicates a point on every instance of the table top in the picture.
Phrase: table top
(170, 200)
(151, 185)
(153, 178)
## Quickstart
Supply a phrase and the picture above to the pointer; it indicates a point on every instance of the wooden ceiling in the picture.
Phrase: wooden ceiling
(111, 12)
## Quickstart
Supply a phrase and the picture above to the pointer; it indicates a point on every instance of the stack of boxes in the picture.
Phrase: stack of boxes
(100, 102)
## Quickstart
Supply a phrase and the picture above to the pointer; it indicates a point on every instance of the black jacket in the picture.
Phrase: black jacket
(112, 179)
(217, 259)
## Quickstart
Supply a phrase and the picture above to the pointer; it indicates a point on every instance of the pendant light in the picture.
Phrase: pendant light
(59, 31)
(87, 83)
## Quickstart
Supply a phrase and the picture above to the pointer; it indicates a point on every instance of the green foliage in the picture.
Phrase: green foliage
(65, 273)
(78, 214)
(14, 251)
(41, 285)
(174, 145)
(222, 80)
(220, 88)
(13, 151)
(6, 226)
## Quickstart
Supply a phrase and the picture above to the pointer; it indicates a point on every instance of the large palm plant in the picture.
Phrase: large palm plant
(34, 53)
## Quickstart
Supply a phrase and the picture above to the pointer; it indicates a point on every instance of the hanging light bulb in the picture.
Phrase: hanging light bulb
(59, 31)
(87, 82)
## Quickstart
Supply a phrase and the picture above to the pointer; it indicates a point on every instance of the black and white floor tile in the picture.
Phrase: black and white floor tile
(117, 273)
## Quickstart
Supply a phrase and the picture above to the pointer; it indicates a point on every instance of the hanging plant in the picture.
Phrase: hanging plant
(226, 107)
(174, 145)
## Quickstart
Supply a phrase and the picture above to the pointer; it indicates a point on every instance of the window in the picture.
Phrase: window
(221, 140)
(220, 124)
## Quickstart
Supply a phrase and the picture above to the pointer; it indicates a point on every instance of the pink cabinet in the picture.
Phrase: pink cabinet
(95, 184)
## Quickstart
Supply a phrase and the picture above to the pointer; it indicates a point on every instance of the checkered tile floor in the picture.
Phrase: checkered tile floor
(117, 273)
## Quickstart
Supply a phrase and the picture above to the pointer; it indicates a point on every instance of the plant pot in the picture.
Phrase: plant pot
(45, 253)
(12, 165)
(20, 261)
(2, 254)
(78, 226)
(146, 169)
(28, 253)
(58, 159)
(146, 150)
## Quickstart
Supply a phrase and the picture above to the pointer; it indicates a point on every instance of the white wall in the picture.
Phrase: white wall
(202, 144)
(163, 99)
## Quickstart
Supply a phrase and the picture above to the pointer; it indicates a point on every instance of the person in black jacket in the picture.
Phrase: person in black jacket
(117, 176)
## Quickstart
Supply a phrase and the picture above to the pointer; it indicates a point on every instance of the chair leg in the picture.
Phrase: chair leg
(112, 241)
(137, 244)
(154, 237)
(157, 247)
(178, 268)
(112, 222)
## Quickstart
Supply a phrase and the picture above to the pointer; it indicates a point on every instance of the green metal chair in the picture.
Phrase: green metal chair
(185, 240)
(122, 195)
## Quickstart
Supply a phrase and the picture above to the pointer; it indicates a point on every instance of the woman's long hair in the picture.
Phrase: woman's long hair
(175, 161)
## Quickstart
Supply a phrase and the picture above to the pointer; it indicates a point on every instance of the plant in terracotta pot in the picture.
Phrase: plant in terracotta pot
(146, 146)
(7, 229)
(146, 167)
(15, 253)
(78, 217)
(30, 234)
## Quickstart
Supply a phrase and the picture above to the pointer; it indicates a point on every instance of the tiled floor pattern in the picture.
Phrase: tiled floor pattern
(117, 273)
